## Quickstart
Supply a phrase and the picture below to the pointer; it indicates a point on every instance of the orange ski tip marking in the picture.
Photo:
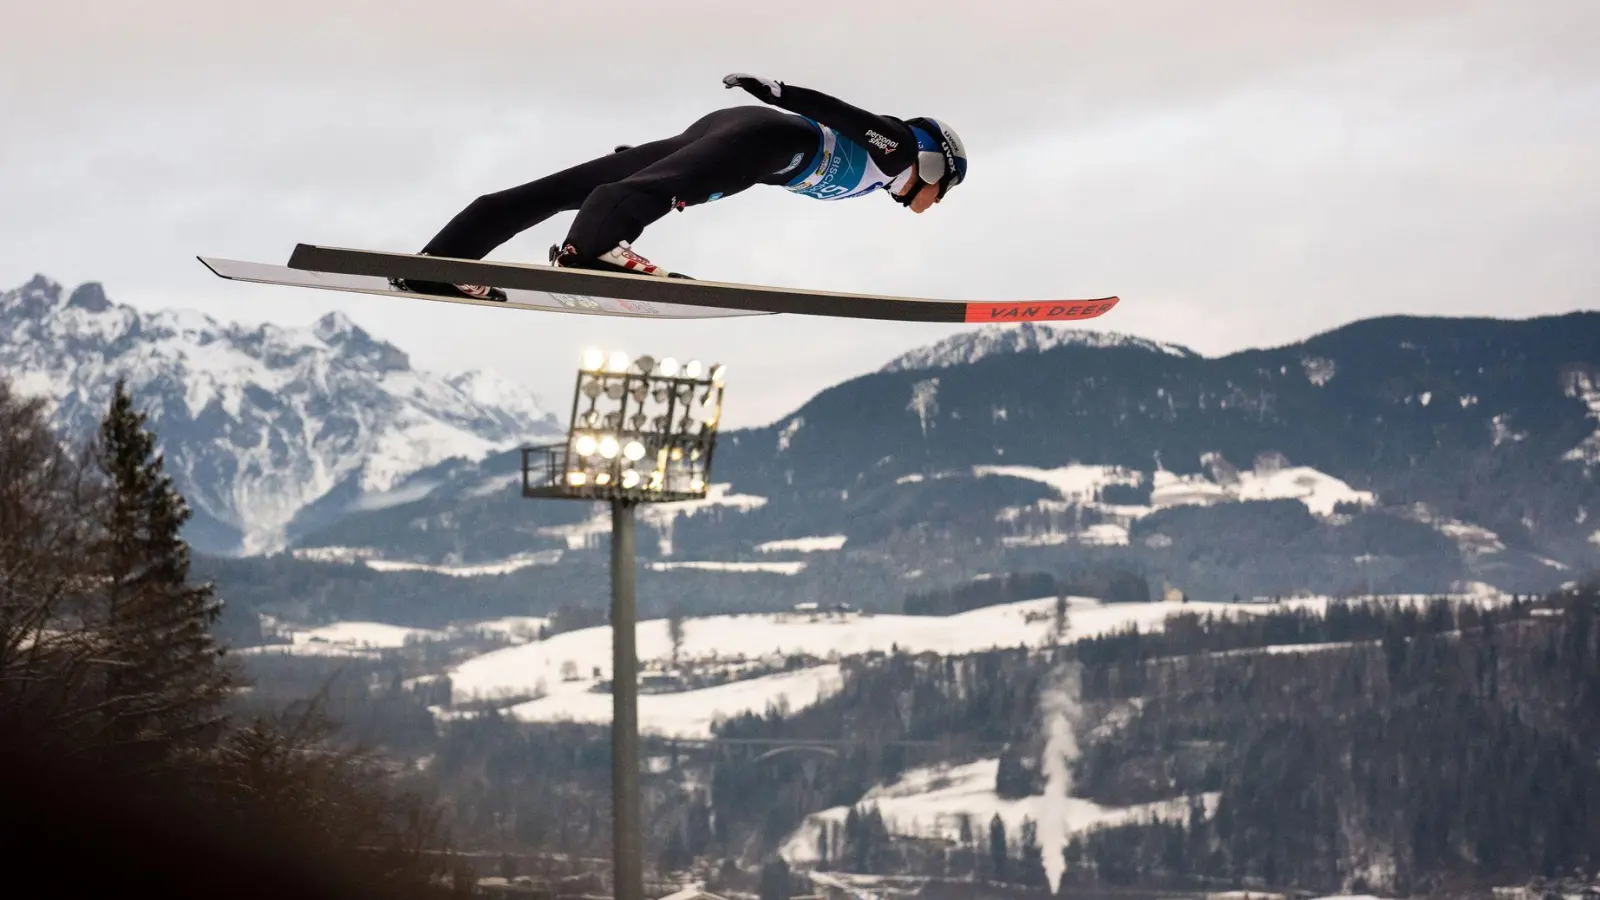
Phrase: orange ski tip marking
(1039, 310)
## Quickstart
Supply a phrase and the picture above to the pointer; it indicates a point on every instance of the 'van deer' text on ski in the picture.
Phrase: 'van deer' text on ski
(1034, 312)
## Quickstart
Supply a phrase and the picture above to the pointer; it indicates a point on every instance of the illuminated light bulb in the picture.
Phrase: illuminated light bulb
(603, 478)
(630, 479)
(691, 369)
(576, 478)
(618, 362)
(697, 485)
(585, 444)
(718, 371)
(593, 359)
(609, 446)
(634, 450)
(668, 368)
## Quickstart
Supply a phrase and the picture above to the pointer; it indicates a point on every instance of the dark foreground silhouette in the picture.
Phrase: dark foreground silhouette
(67, 830)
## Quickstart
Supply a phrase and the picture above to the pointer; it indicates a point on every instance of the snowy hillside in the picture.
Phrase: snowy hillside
(563, 672)
(931, 802)
(1080, 487)
(1167, 461)
(1382, 456)
(257, 423)
(971, 346)
(370, 639)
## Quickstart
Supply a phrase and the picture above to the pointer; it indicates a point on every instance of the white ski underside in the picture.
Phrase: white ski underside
(542, 301)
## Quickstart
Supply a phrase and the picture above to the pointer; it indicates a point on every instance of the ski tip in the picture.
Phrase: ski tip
(1040, 310)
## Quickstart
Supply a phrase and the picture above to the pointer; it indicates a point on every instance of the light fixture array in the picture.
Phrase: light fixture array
(642, 428)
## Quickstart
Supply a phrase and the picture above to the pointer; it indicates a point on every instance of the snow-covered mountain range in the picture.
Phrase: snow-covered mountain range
(1028, 337)
(267, 430)
(1399, 454)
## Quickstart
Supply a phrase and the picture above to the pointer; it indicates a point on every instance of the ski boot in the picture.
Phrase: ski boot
(620, 258)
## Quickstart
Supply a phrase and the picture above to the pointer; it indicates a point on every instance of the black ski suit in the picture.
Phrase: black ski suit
(721, 154)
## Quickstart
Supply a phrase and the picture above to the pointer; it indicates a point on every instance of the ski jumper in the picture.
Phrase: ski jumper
(822, 148)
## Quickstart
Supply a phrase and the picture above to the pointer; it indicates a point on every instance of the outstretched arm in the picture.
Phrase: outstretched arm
(890, 142)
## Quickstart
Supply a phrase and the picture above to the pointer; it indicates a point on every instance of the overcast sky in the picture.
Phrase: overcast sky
(1243, 173)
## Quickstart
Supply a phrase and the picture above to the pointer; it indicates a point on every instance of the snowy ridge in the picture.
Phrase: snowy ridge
(1080, 487)
(1028, 337)
(257, 422)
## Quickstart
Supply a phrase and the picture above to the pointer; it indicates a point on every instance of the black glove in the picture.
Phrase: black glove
(764, 89)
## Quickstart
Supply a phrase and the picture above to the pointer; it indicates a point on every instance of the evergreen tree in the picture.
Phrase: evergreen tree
(877, 833)
(1012, 779)
(774, 883)
(698, 834)
(1031, 855)
(166, 679)
(999, 852)
(675, 854)
(675, 632)
(46, 669)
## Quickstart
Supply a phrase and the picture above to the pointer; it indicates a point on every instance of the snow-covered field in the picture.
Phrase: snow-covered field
(566, 668)
(717, 640)
(368, 638)
(561, 673)
(369, 557)
(345, 639)
(688, 714)
(804, 545)
(930, 802)
(786, 567)
(1083, 486)
(518, 629)
(497, 567)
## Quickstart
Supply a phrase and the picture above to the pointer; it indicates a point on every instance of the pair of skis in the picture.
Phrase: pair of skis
(547, 288)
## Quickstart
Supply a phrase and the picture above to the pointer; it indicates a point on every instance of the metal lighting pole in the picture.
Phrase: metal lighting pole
(657, 449)
(626, 841)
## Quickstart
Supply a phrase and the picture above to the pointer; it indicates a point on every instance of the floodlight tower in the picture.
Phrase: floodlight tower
(642, 431)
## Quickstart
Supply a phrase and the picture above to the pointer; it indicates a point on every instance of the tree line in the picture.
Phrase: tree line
(1409, 745)
(121, 708)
